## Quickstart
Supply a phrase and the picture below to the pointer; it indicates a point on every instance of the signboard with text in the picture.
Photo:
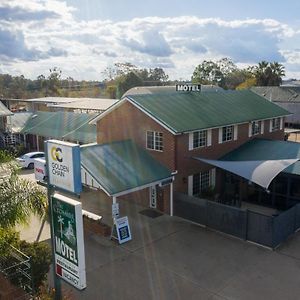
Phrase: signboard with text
(68, 240)
(63, 165)
(188, 87)
(123, 230)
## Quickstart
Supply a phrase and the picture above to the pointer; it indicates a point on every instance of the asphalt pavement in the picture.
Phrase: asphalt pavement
(170, 258)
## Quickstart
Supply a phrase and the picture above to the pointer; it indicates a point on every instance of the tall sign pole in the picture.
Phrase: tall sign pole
(64, 173)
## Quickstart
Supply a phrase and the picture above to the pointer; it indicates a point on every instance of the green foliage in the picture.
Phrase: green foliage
(111, 91)
(126, 82)
(227, 75)
(19, 198)
(222, 73)
(248, 83)
(269, 74)
(5, 156)
(40, 258)
(8, 236)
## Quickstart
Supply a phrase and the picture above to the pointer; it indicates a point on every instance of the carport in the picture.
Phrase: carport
(273, 166)
(123, 167)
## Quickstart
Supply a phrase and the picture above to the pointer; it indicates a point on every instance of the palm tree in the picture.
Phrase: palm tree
(269, 74)
(19, 198)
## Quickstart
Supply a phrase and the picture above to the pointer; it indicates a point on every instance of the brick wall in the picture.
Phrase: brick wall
(187, 166)
(128, 122)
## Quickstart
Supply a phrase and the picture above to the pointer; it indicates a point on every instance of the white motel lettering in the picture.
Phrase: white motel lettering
(64, 250)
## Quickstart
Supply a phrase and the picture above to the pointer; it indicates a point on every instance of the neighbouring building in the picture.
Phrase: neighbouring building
(287, 97)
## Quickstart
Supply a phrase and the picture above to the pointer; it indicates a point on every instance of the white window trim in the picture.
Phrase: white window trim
(212, 181)
(280, 124)
(262, 127)
(251, 125)
(234, 136)
(154, 141)
(191, 139)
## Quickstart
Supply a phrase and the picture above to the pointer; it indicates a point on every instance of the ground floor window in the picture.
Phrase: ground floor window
(201, 182)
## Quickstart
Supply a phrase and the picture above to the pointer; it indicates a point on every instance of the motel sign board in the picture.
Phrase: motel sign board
(68, 240)
(63, 165)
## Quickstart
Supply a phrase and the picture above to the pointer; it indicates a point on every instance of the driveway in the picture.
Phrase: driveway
(170, 258)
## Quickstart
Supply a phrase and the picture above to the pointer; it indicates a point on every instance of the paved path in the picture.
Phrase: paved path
(170, 258)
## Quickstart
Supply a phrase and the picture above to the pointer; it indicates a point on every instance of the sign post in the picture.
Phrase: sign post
(68, 236)
(63, 167)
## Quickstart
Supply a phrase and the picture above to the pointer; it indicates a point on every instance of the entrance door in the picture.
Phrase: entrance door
(153, 197)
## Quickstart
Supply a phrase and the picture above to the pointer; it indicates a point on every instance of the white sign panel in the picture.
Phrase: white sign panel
(123, 230)
(63, 161)
(68, 239)
(115, 210)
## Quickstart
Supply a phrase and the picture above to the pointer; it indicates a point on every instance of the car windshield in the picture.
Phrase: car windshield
(24, 156)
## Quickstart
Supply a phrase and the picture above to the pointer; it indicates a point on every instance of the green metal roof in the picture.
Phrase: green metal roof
(121, 166)
(61, 125)
(87, 133)
(259, 149)
(4, 111)
(181, 111)
(17, 121)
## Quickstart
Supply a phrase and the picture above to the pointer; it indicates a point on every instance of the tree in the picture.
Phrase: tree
(19, 198)
(269, 74)
(126, 82)
(53, 82)
(208, 72)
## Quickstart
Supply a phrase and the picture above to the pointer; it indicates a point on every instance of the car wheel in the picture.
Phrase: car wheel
(31, 166)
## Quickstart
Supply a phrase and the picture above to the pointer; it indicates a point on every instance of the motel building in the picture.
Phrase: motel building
(228, 145)
(159, 146)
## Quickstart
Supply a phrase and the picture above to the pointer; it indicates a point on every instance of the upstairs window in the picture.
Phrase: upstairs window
(275, 123)
(154, 140)
(227, 133)
(255, 127)
(199, 139)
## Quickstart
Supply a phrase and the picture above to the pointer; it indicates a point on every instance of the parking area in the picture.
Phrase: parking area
(170, 258)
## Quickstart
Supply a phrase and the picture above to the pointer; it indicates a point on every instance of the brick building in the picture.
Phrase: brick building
(174, 128)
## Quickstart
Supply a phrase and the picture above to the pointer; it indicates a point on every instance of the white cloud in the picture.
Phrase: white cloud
(48, 34)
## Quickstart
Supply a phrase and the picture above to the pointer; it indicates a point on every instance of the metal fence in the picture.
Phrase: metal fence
(263, 229)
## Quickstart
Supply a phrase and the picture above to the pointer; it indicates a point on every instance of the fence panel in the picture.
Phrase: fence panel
(191, 208)
(284, 225)
(227, 219)
(260, 229)
(297, 223)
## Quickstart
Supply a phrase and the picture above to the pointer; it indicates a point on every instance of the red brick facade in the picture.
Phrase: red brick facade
(129, 122)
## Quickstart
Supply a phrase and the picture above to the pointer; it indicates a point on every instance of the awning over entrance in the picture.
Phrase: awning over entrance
(122, 167)
(261, 172)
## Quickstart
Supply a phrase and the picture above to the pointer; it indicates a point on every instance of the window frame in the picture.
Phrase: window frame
(226, 133)
(157, 141)
(198, 182)
(205, 138)
(276, 121)
(255, 130)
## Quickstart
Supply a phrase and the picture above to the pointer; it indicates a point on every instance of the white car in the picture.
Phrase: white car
(27, 160)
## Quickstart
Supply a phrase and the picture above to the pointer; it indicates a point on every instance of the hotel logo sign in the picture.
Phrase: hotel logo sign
(68, 240)
(63, 165)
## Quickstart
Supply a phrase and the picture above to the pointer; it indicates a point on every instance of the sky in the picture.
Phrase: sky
(85, 37)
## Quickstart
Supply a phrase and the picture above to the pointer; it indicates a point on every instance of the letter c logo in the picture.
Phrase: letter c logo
(56, 154)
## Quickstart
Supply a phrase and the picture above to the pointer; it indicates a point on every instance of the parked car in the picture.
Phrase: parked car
(27, 160)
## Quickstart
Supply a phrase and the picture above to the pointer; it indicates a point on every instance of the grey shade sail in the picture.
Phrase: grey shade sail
(261, 172)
